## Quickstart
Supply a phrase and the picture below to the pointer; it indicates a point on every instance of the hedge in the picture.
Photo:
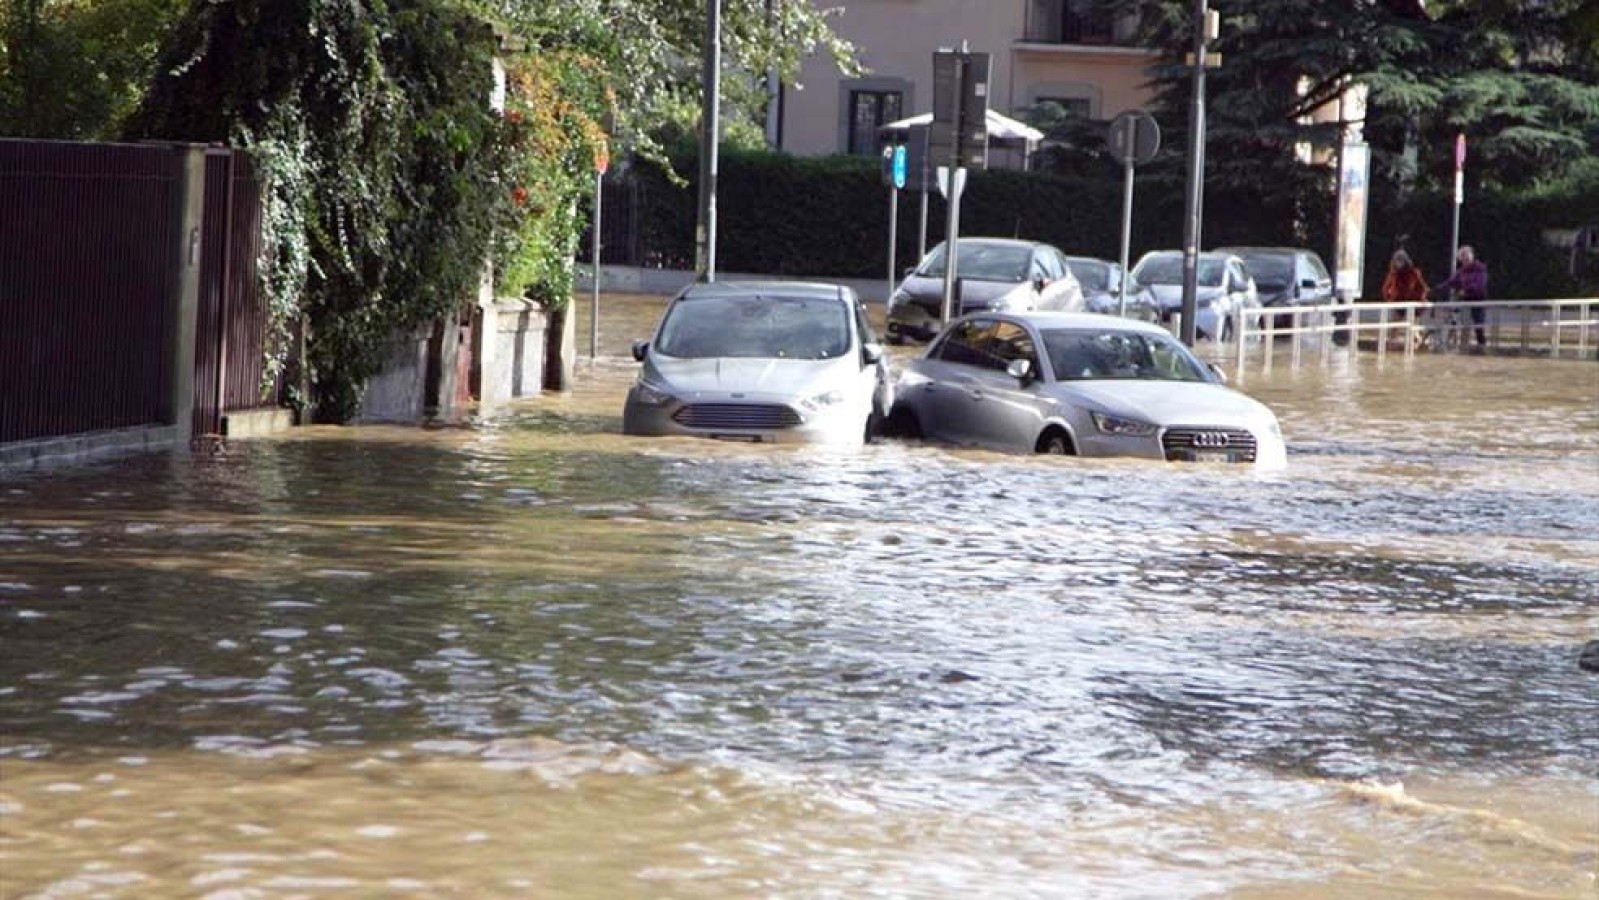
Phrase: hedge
(828, 216)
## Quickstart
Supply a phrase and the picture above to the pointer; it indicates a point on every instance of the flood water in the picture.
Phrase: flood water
(526, 656)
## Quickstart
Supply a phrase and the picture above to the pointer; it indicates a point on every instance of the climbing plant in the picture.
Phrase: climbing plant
(390, 179)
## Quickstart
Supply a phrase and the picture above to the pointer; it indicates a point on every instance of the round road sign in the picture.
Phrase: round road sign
(1134, 137)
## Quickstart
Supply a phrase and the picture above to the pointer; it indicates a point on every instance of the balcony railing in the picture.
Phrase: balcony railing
(1073, 22)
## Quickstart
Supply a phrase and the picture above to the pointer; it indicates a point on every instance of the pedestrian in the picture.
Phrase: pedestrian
(1469, 283)
(1404, 284)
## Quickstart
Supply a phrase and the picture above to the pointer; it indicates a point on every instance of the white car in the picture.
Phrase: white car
(761, 361)
(1223, 288)
(1079, 384)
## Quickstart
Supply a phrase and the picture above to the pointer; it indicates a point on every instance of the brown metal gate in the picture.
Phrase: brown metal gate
(87, 272)
(233, 322)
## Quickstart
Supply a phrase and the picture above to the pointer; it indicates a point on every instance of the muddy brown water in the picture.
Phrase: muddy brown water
(526, 656)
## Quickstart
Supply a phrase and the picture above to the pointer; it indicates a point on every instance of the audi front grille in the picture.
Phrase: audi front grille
(1197, 443)
(736, 416)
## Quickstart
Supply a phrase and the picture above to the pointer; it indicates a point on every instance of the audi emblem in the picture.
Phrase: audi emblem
(1210, 439)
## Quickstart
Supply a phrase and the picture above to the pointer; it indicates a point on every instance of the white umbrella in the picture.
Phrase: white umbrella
(1000, 127)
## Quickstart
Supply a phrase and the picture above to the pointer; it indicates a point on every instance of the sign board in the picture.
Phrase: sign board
(967, 133)
(1134, 137)
(1354, 168)
(1460, 152)
(898, 167)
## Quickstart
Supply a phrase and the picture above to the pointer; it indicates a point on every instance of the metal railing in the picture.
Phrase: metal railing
(1552, 328)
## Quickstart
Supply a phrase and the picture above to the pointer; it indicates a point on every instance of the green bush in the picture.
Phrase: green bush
(828, 216)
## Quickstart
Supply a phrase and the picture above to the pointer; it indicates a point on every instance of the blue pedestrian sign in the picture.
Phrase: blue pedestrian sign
(899, 166)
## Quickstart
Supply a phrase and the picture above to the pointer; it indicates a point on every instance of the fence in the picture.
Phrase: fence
(1552, 328)
(98, 304)
(88, 269)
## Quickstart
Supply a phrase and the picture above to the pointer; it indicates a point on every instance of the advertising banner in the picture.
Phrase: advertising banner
(1354, 169)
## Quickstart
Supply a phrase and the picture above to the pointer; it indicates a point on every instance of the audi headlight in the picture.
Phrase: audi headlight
(822, 401)
(1108, 424)
(898, 298)
(653, 394)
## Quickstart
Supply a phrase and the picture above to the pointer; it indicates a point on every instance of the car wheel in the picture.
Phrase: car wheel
(1055, 442)
(902, 423)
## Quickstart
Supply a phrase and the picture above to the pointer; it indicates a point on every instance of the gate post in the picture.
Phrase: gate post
(189, 163)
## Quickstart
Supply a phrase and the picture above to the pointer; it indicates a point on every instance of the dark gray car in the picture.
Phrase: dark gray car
(994, 275)
(1286, 276)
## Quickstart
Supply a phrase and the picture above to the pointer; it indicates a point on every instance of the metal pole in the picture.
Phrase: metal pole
(1127, 234)
(1196, 175)
(1454, 227)
(594, 304)
(952, 220)
(710, 137)
(893, 236)
(921, 237)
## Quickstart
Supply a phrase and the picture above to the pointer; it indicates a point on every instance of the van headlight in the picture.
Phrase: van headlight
(652, 394)
(1108, 424)
(898, 298)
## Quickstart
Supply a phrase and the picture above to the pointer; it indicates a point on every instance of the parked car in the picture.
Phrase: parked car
(1285, 277)
(1101, 283)
(1082, 384)
(992, 274)
(1224, 288)
(761, 361)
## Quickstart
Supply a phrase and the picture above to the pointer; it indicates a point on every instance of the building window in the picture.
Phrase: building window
(869, 111)
(1072, 22)
(1074, 107)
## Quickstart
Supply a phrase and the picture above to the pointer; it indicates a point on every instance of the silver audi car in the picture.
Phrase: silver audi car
(761, 361)
(1081, 384)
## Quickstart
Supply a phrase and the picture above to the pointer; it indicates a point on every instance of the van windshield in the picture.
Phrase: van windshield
(759, 327)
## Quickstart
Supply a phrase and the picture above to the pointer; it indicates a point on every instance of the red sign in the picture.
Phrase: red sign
(1460, 152)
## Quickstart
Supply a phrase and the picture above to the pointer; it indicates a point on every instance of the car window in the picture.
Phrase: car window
(1080, 354)
(755, 326)
(1167, 268)
(1054, 267)
(1318, 270)
(1269, 268)
(1240, 281)
(1092, 274)
(1011, 342)
(982, 261)
(965, 343)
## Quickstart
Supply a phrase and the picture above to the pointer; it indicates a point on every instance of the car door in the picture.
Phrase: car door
(941, 393)
(875, 380)
(1005, 413)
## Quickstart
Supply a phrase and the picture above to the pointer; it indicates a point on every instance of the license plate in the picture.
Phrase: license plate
(742, 438)
(1213, 456)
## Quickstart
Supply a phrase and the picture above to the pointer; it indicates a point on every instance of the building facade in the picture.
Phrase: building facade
(1041, 50)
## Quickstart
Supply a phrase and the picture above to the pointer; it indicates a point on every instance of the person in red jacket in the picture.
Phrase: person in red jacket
(1404, 283)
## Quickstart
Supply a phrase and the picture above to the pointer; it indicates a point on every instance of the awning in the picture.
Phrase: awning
(1000, 127)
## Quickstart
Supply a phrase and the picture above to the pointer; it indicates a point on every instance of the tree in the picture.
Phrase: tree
(649, 53)
(75, 70)
(389, 178)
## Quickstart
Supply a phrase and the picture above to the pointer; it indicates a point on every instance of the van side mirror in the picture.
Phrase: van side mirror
(641, 349)
(871, 354)
(1216, 371)
(909, 271)
(1308, 284)
(1039, 283)
(1021, 370)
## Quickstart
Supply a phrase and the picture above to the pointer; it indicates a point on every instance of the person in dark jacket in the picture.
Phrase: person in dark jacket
(1469, 283)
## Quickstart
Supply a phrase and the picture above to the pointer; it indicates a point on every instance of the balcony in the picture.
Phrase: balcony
(1076, 23)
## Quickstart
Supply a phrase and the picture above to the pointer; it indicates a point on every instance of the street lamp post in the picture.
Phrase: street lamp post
(1196, 177)
(710, 131)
